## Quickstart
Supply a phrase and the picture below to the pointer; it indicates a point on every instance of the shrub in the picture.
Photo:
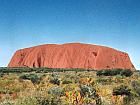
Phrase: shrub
(55, 81)
(89, 92)
(51, 99)
(129, 100)
(136, 87)
(108, 72)
(33, 77)
(126, 73)
(7, 102)
(121, 90)
(114, 72)
(56, 91)
(55, 75)
(66, 81)
(99, 73)
(26, 101)
(42, 101)
(23, 76)
(1, 74)
(104, 81)
(86, 90)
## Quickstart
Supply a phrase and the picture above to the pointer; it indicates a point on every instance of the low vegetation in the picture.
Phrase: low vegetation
(35, 79)
(45, 86)
(114, 72)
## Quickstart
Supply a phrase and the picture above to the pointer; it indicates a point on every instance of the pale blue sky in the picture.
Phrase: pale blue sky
(26, 23)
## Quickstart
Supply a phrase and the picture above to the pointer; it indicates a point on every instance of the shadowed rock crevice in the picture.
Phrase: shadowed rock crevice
(94, 53)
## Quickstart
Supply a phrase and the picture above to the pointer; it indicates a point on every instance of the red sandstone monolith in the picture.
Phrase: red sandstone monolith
(71, 55)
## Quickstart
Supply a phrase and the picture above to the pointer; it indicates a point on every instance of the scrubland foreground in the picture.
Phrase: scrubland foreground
(36, 87)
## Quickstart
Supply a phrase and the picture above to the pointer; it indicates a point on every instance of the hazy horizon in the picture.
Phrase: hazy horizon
(111, 23)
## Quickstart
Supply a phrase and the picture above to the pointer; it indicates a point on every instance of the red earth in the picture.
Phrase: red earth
(71, 55)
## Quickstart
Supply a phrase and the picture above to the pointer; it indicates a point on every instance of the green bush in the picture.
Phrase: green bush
(7, 102)
(136, 87)
(32, 100)
(114, 72)
(52, 101)
(89, 92)
(104, 81)
(56, 91)
(66, 81)
(33, 77)
(99, 73)
(108, 72)
(55, 81)
(126, 73)
(42, 101)
(1, 74)
(122, 90)
(27, 101)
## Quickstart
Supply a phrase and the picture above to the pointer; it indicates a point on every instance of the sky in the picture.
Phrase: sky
(112, 23)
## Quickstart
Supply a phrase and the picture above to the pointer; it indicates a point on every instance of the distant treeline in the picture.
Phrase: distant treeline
(38, 70)
(122, 72)
(107, 72)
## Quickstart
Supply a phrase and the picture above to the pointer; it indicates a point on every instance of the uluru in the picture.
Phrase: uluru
(71, 55)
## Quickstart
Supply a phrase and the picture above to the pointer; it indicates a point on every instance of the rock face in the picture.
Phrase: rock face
(71, 55)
